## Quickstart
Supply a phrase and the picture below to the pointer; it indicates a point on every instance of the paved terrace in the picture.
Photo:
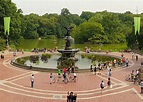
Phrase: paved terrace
(15, 84)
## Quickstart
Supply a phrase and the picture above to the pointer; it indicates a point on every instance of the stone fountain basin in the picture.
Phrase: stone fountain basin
(68, 51)
(83, 64)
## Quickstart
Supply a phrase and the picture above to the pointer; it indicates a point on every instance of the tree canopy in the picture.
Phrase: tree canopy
(93, 27)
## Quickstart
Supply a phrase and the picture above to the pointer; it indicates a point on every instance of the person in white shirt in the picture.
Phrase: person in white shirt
(109, 71)
(102, 85)
(133, 55)
(32, 81)
(74, 74)
(114, 62)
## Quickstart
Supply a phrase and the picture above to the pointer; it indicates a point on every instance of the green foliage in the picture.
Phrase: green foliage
(99, 27)
(22, 60)
(2, 44)
(29, 26)
(45, 57)
(89, 32)
(66, 63)
(9, 9)
(110, 28)
(34, 59)
(96, 58)
(86, 15)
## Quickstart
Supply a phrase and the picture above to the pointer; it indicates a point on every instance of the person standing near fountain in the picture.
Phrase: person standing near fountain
(51, 78)
(32, 81)
(74, 77)
(59, 75)
(2, 55)
(91, 70)
(94, 72)
(73, 68)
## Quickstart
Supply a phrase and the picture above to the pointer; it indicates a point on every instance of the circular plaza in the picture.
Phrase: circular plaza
(15, 84)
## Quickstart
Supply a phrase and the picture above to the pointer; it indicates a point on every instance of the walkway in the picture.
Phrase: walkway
(15, 85)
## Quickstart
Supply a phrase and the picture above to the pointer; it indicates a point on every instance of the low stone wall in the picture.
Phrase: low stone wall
(44, 69)
(33, 68)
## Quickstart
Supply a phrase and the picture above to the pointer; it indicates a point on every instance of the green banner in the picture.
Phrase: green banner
(6, 25)
(137, 24)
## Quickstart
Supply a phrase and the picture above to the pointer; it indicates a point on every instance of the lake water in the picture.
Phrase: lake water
(28, 44)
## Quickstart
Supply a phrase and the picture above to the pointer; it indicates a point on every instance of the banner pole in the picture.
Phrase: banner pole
(7, 39)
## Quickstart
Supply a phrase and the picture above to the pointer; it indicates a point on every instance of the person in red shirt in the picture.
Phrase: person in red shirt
(123, 60)
(65, 70)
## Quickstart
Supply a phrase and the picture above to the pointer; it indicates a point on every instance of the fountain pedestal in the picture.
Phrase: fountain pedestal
(68, 53)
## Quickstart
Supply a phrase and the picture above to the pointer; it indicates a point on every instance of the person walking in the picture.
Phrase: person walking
(15, 53)
(59, 75)
(114, 63)
(94, 72)
(109, 71)
(32, 81)
(141, 85)
(91, 70)
(127, 62)
(102, 85)
(65, 80)
(133, 55)
(109, 83)
(137, 57)
(64, 70)
(74, 74)
(51, 78)
(68, 96)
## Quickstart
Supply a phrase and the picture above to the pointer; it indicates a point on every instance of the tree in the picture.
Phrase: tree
(65, 12)
(30, 23)
(9, 9)
(86, 15)
(89, 32)
(76, 19)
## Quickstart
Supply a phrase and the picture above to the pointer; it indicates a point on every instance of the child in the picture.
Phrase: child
(51, 78)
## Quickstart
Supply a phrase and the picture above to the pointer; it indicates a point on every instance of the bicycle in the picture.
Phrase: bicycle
(128, 77)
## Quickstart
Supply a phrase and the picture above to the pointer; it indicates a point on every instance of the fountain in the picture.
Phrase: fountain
(68, 53)
(68, 57)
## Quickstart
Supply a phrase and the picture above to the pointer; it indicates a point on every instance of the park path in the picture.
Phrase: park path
(15, 84)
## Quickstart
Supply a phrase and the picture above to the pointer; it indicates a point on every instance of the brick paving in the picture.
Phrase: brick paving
(15, 84)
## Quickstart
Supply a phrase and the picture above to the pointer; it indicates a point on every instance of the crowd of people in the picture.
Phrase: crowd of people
(68, 75)
(96, 69)
(71, 97)
(37, 50)
(133, 76)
